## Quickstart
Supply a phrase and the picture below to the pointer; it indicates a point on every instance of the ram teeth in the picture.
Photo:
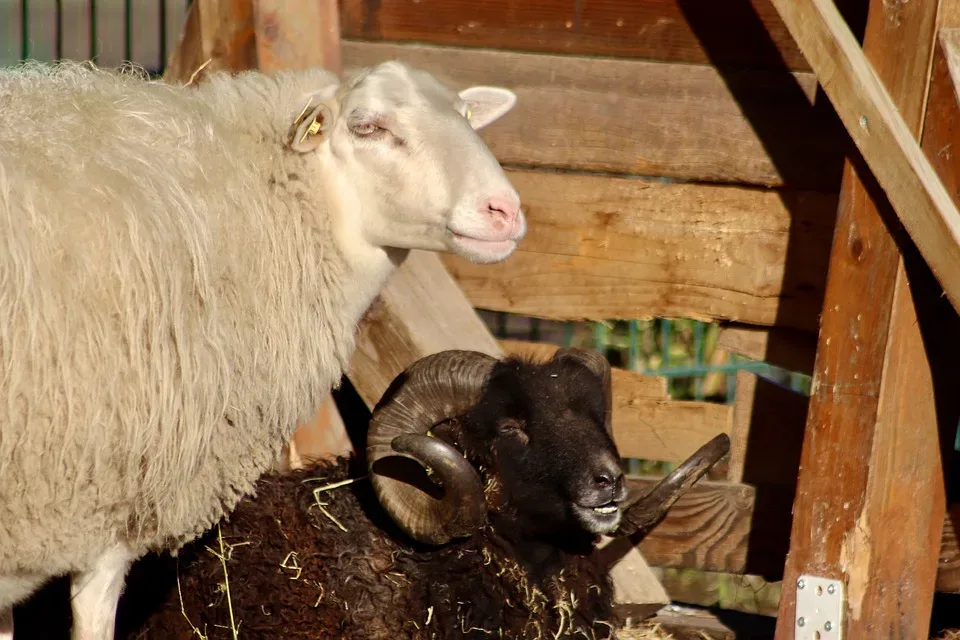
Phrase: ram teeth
(605, 510)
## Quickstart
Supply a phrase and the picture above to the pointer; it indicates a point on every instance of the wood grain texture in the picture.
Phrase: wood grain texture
(725, 526)
(637, 591)
(419, 312)
(884, 137)
(868, 464)
(643, 118)
(785, 348)
(707, 528)
(948, 566)
(297, 35)
(216, 33)
(603, 248)
(941, 142)
(754, 35)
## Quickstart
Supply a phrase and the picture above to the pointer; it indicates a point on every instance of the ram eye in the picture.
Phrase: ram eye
(513, 429)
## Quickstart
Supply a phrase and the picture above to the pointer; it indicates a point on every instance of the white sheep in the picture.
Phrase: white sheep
(182, 270)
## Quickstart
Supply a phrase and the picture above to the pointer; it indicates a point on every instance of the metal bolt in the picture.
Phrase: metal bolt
(827, 625)
(831, 589)
(801, 584)
(863, 121)
(801, 621)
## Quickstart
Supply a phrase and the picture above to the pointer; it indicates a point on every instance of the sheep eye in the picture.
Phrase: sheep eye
(364, 129)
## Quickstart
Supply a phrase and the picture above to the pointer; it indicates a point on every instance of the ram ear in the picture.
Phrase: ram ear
(313, 125)
(598, 364)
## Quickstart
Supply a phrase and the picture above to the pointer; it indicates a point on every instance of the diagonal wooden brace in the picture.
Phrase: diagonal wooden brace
(881, 134)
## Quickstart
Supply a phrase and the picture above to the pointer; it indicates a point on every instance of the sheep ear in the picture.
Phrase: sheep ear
(486, 105)
(311, 127)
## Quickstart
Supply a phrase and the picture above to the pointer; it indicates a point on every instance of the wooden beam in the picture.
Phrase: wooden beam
(419, 312)
(644, 118)
(600, 247)
(217, 35)
(297, 35)
(709, 527)
(941, 142)
(886, 138)
(870, 500)
(753, 33)
(785, 348)
(739, 528)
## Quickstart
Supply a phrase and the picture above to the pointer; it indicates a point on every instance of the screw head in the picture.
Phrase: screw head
(831, 589)
(801, 621)
(801, 584)
(827, 625)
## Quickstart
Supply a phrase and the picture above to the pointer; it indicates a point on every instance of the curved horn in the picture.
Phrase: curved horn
(433, 389)
(643, 513)
(600, 366)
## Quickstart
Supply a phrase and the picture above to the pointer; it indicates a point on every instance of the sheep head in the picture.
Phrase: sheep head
(541, 435)
(409, 162)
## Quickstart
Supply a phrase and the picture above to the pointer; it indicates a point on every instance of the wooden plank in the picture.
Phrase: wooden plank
(881, 134)
(603, 248)
(637, 592)
(645, 118)
(667, 430)
(686, 624)
(419, 312)
(753, 34)
(870, 476)
(708, 528)
(728, 526)
(941, 140)
(216, 33)
(297, 35)
(785, 348)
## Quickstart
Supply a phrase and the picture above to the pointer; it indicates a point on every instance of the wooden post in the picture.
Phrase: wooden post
(870, 499)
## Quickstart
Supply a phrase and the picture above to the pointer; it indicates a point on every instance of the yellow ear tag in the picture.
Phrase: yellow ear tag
(469, 113)
(303, 112)
(311, 130)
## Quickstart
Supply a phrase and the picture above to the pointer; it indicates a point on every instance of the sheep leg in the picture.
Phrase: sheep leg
(6, 624)
(95, 594)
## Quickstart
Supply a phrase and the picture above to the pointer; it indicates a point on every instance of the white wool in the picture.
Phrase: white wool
(171, 304)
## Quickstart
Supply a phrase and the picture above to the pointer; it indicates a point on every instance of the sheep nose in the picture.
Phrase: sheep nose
(504, 210)
(609, 481)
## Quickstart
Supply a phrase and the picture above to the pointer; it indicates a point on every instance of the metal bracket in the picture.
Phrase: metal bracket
(820, 605)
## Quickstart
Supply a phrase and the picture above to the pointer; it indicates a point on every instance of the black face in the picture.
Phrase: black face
(558, 468)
